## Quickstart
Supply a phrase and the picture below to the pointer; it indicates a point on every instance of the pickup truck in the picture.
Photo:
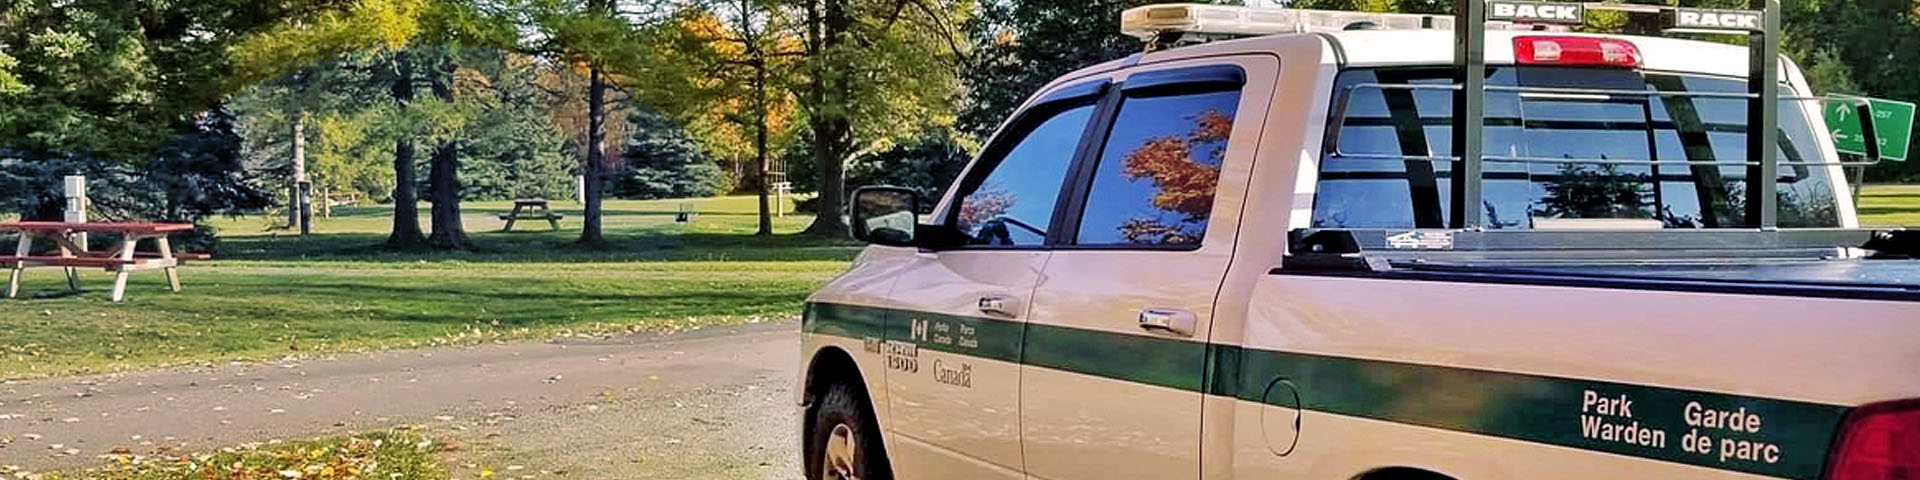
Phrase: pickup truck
(1240, 259)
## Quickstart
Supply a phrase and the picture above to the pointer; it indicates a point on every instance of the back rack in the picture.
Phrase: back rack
(1761, 25)
(1164, 26)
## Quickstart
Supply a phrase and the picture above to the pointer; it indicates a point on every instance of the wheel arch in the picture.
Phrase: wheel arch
(1402, 473)
(830, 364)
(826, 366)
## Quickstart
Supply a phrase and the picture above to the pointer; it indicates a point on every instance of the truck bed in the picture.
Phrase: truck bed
(1897, 280)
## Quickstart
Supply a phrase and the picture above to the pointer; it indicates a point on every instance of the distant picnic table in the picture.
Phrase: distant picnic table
(531, 209)
(122, 260)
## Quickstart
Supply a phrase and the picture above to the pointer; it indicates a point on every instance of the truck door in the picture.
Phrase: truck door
(954, 378)
(1116, 345)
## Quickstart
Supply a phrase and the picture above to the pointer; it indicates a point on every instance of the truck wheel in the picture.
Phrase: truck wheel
(845, 441)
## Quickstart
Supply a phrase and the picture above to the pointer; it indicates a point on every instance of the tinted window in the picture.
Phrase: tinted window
(1013, 204)
(1357, 192)
(1157, 174)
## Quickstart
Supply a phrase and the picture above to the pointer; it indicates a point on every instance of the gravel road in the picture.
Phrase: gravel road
(715, 403)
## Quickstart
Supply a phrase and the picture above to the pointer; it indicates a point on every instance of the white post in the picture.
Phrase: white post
(299, 200)
(77, 206)
(580, 188)
(780, 205)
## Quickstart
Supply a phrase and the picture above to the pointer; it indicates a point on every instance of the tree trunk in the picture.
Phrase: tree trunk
(760, 146)
(831, 132)
(444, 186)
(406, 206)
(596, 152)
(758, 56)
(444, 177)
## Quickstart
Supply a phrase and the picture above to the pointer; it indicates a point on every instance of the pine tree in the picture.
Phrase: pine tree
(663, 162)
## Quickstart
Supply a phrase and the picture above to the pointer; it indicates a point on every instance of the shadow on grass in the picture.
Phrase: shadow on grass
(1867, 211)
(544, 246)
(1901, 196)
(669, 213)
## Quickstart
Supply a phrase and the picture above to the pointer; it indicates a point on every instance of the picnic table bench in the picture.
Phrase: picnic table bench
(120, 260)
(531, 209)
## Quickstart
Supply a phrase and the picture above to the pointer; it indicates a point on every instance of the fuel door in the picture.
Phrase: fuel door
(1280, 420)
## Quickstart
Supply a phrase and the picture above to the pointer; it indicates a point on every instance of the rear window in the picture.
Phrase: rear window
(1360, 192)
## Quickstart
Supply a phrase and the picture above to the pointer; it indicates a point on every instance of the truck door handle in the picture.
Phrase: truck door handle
(1000, 306)
(1168, 321)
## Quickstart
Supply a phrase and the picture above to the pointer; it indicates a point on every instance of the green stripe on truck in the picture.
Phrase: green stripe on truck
(1772, 437)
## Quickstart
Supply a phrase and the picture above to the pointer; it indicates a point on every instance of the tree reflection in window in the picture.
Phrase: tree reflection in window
(1012, 205)
(1157, 177)
(1184, 184)
(989, 202)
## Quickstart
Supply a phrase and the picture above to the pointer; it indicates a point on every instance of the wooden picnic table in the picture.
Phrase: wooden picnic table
(531, 209)
(121, 260)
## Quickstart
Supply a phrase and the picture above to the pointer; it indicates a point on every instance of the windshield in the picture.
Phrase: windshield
(1357, 189)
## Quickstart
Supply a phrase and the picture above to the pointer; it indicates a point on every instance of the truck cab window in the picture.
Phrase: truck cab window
(1155, 182)
(1367, 186)
(1013, 203)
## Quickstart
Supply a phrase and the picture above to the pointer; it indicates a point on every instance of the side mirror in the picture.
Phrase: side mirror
(885, 215)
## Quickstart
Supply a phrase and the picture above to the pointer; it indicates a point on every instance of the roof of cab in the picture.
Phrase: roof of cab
(1377, 48)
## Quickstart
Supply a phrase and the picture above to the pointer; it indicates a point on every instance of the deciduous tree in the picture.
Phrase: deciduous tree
(875, 71)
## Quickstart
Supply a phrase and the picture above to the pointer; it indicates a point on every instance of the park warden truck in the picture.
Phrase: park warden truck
(1289, 244)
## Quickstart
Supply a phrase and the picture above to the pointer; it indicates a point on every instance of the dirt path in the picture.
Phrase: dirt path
(717, 403)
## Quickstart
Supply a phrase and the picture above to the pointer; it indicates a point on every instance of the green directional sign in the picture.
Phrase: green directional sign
(1892, 126)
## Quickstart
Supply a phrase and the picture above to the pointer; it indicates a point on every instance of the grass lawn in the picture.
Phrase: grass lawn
(404, 454)
(270, 294)
(1890, 206)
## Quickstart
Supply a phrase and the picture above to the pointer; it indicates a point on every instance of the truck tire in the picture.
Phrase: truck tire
(845, 441)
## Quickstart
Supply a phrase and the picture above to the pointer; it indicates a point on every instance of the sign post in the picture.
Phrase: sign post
(1892, 126)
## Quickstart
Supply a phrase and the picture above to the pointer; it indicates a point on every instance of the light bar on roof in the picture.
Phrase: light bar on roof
(1153, 21)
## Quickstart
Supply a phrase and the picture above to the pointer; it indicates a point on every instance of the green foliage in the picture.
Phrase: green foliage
(662, 162)
(9, 84)
(93, 81)
(1827, 74)
(195, 174)
(927, 162)
(515, 153)
(109, 89)
(1866, 47)
(898, 76)
(1020, 46)
(586, 33)
(1384, 6)
(706, 75)
(350, 152)
(341, 27)
(501, 120)
(513, 147)
(347, 143)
